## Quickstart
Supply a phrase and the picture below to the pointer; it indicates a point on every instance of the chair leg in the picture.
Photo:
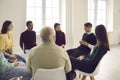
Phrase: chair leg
(84, 77)
(92, 78)
(80, 75)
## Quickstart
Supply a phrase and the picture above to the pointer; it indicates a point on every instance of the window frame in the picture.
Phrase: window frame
(96, 14)
(43, 16)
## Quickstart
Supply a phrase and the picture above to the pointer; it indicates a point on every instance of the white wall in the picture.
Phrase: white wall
(76, 16)
(15, 11)
(114, 36)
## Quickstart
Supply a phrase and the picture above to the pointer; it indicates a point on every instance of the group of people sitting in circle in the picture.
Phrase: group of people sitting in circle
(51, 53)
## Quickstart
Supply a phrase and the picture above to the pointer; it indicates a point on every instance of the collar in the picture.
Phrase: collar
(88, 32)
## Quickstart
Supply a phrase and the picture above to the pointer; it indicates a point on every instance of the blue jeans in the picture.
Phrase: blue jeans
(19, 71)
(18, 57)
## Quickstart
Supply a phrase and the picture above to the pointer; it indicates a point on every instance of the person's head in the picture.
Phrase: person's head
(29, 25)
(57, 27)
(101, 35)
(88, 27)
(47, 34)
(6, 27)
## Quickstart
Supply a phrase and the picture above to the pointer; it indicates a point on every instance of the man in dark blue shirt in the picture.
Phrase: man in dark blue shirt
(87, 42)
(28, 38)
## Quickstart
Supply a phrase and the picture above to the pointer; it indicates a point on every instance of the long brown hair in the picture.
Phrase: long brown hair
(102, 36)
(5, 26)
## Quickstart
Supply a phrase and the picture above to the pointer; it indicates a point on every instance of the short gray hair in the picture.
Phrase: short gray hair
(47, 34)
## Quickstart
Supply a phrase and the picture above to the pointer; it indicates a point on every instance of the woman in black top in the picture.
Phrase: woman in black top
(60, 36)
(89, 63)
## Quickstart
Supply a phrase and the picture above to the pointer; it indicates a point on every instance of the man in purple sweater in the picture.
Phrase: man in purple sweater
(28, 38)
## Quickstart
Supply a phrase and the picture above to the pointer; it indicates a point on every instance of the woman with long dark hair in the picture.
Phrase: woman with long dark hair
(88, 64)
(7, 42)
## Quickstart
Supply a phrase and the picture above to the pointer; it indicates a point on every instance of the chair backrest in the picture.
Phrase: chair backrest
(50, 74)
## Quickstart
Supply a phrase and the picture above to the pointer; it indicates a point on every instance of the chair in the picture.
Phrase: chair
(96, 71)
(50, 74)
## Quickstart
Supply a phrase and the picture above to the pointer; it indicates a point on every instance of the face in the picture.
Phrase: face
(58, 28)
(30, 27)
(88, 29)
(10, 27)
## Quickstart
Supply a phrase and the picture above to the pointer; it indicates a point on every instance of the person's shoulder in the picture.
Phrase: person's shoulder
(23, 32)
(92, 34)
(2, 35)
(84, 33)
(58, 48)
(32, 51)
(62, 32)
(34, 31)
(62, 50)
(103, 47)
(11, 34)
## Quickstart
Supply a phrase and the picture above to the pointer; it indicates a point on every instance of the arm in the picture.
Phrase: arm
(96, 55)
(3, 42)
(64, 39)
(35, 39)
(68, 63)
(29, 69)
(4, 64)
(93, 42)
(82, 38)
(7, 54)
(21, 41)
(87, 44)
(29, 66)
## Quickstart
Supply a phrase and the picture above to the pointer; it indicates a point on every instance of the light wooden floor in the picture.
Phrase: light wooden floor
(110, 65)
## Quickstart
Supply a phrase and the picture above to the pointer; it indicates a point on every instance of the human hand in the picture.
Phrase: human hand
(13, 56)
(16, 63)
(62, 45)
(84, 43)
(81, 57)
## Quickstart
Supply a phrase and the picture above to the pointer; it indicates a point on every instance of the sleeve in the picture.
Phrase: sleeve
(90, 46)
(94, 40)
(29, 69)
(97, 54)
(35, 39)
(12, 45)
(4, 64)
(21, 41)
(68, 63)
(11, 65)
(83, 36)
(64, 38)
(2, 42)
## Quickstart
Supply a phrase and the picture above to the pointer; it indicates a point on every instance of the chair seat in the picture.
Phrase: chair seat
(96, 71)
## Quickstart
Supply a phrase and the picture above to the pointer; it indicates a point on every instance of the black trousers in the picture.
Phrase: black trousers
(71, 75)
(74, 52)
